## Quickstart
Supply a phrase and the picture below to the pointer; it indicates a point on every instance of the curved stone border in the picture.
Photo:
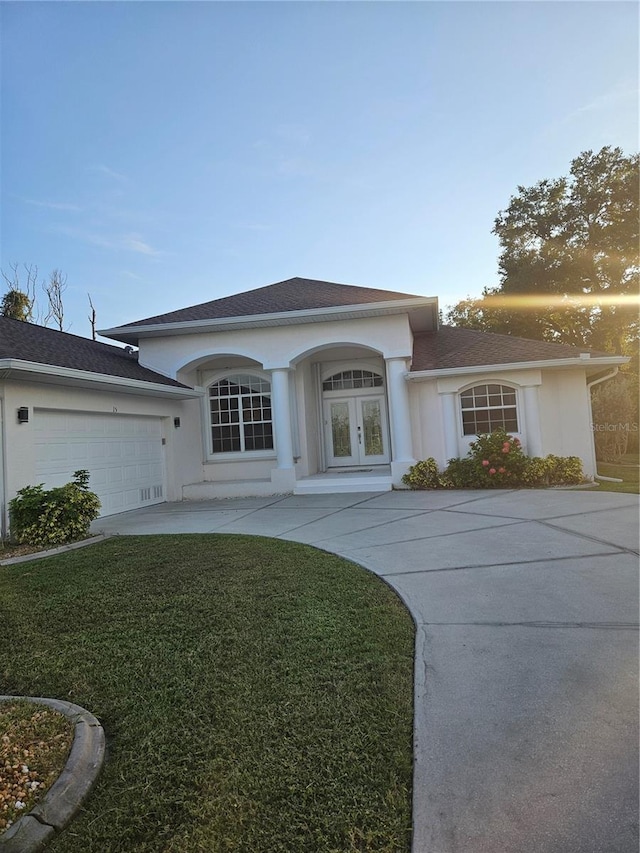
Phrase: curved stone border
(62, 801)
(60, 549)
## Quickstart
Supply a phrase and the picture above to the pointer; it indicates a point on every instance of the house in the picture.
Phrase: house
(299, 386)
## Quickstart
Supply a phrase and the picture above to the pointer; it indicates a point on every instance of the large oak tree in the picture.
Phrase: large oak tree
(569, 265)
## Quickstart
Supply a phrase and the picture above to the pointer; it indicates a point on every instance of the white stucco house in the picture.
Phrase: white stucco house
(299, 386)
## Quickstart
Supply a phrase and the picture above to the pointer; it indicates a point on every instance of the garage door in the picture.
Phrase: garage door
(123, 454)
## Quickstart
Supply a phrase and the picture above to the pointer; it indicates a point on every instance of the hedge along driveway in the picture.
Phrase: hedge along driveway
(256, 694)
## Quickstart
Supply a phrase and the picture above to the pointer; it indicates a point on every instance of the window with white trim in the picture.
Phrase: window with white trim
(240, 412)
(486, 408)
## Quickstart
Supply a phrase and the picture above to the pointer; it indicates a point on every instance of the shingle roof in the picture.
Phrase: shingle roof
(294, 294)
(28, 342)
(450, 347)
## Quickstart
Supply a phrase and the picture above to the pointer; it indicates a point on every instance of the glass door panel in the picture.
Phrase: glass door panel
(340, 432)
(372, 430)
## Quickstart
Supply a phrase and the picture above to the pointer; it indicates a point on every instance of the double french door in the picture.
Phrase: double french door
(355, 430)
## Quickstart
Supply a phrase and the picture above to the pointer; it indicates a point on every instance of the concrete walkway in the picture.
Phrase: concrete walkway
(526, 604)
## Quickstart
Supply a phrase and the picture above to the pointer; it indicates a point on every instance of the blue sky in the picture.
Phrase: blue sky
(164, 154)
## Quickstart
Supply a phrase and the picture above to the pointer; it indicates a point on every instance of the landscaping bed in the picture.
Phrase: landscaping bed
(256, 694)
(8, 550)
(34, 745)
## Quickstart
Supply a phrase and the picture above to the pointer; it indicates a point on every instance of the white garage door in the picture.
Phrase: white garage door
(123, 454)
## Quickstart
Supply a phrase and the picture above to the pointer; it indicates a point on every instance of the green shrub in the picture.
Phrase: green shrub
(424, 475)
(496, 460)
(536, 471)
(53, 517)
(461, 473)
(564, 470)
(553, 471)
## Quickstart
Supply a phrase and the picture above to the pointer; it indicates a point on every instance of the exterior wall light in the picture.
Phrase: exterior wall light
(23, 415)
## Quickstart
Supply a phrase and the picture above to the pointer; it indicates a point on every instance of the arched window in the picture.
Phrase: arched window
(486, 408)
(347, 380)
(240, 407)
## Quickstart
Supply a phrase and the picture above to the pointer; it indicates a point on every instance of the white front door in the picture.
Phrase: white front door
(356, 431)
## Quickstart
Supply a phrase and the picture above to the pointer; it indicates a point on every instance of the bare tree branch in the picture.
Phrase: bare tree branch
(92, 318)
(54, 290)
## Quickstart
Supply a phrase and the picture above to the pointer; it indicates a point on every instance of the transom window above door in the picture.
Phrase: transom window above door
(240, 412)
(347, 380)
(486, 408)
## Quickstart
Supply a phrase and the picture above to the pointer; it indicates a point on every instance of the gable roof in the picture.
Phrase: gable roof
(450, 347)
(22, 341)
(293, 294)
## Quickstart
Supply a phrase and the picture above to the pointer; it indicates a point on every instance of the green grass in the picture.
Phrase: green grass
(256, 694)
(625, 470)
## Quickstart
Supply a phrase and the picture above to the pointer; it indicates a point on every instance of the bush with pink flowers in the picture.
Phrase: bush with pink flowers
(496, 460)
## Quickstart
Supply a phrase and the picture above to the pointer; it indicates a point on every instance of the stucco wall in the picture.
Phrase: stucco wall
(563, 422)
(278, 346)
(426, 421)
(307, 420)
(195, 359)
(240, 469)
(566, 416)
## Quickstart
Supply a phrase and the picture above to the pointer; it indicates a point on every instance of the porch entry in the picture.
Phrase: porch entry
(355, 419)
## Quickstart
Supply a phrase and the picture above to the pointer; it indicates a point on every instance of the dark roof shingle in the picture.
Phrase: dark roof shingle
(294, 294)
(451, 347)
(29, 342)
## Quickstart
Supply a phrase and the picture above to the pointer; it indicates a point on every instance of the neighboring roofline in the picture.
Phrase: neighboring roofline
(586, 362)
(35, 371)
(129, 334)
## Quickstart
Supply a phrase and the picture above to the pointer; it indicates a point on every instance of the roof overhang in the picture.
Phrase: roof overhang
(31, 371)
(592, 365)
(422, 311)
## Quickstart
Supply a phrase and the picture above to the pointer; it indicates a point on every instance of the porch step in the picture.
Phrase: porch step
(317, 484)
(326, 485)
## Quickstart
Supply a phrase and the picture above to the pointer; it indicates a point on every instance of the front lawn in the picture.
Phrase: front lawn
(626, 470)
(256, 694)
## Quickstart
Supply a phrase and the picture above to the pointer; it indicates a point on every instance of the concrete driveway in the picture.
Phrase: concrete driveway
(526, 605)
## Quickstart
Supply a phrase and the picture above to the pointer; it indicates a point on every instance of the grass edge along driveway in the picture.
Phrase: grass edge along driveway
(256, 694)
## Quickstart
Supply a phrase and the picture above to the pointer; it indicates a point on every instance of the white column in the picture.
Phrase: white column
(450, 426)
(281, 410)
(533, 435)
(400, 416)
